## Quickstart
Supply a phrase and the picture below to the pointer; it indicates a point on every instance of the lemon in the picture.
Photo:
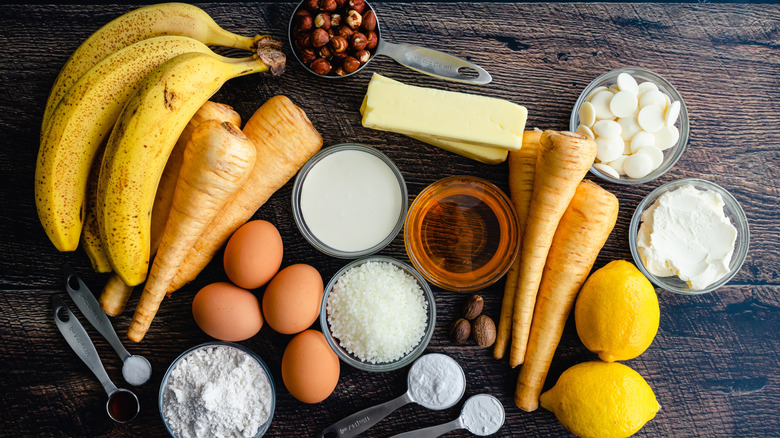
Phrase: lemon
(617, 312)
(601, 399)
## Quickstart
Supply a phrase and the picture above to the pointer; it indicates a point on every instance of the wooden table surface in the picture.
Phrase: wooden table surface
(714, 363)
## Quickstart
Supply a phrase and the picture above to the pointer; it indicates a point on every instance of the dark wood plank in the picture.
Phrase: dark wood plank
(714, 364)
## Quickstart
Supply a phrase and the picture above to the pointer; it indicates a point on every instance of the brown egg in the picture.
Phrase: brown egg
(253, 254)
(310, 369)
(226, 312)
(291, 302)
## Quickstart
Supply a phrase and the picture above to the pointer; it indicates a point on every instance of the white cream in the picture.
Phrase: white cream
(685, 233)
(351, 200)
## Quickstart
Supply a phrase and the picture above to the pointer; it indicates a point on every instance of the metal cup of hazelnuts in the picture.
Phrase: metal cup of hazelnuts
(337, 38)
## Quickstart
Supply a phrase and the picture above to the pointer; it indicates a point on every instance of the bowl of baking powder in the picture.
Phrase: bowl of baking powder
(217, 389)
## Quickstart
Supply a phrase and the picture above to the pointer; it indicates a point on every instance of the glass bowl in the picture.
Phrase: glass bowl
(461, 233)
(264, 427)
(353, 360)
(360, 194)
(731, 209)
(670, 155)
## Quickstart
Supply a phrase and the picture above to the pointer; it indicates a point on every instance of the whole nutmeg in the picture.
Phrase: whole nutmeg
(335, 20)
(351, 64)
(325, 53)
(369, 20)
(473, 307)
(372, 40)
(484, 331)
(320, 66)
(363, 56)
(308, 55)
(319, 38)
(460, 331)
(339, 44)
(304, 23)
(353, 19)
(357, 41)
(322, 20)
(358, 5)
(344, 31)
(328, 5)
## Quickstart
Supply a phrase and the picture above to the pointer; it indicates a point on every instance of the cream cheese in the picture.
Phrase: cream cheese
(686, 233)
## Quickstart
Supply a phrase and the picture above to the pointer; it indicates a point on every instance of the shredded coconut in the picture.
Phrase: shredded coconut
(217, 391)
(436, 381)
(377, 311)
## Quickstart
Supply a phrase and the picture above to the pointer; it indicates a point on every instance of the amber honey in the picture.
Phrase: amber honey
(461, 233)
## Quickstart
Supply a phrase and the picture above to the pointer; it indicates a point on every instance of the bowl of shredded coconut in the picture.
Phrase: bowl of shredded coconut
(217, 389)
(378, 314)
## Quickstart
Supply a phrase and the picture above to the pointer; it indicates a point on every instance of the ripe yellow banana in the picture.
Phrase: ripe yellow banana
(142, 140)
(90, 236)
(139, 24)
(82, 121)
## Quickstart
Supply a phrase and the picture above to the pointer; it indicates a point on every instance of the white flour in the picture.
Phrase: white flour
(217, 391)
(436, 381)
(482, 415)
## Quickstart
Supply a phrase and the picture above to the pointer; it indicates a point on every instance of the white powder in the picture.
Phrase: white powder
(377, 311)
(482, 415)
(436, 381)
(217, 391)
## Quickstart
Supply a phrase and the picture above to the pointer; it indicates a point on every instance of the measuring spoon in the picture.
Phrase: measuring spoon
(122, 405)
(428, 61)
(475, 405)
(136, 370)
(359, 422)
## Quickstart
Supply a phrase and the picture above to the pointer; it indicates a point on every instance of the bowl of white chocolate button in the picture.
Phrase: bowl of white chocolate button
(639, 122)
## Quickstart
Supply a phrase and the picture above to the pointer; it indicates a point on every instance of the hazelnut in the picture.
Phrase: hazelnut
(372, 40)
(302, 13)
(330, 32)
(357, 41)
(353, 19)
(304, 41)
(345, 31)
(304, 23)
(369, 20)
(319, 38)
(339, 72)
(340, 3)
(351, 64)
(335, 20)
(358, 5)
(338, 58)
(322, 20)
(484, 331)
(363, 56)
(460, 331)
(320, 66)
(339, 44)
(312, 5)
(325, 53)
(473, 307)
(328, 5)
(308, 55)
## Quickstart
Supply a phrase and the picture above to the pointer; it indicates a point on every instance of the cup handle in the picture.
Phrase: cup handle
(434, 63)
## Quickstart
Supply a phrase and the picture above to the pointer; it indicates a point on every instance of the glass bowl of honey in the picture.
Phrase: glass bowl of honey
(461, 233)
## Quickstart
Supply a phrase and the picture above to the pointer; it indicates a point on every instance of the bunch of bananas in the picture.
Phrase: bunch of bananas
(121, 101)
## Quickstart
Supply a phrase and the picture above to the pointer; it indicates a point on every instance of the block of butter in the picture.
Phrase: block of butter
(443, 115)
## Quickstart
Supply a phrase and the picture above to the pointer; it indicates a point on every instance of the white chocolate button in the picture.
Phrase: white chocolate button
(628, 126)
(655, 154)
(584, 130)
(617, 164)
(672, 112)
(666, 137)
(609, 148)
(594, 91)
(614, 88)
(600, 102)
(587, 114)
(652, 97)
(640, 140)
(626, 82)
(607, 128)
(638, 165)
(646, 86)
(623, 104)
(651, 118)
(607, 170)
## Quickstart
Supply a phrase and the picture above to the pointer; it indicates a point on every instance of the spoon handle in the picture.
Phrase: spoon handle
(359, 422)
(79, 341)
(434, 63)
(90, 308)
(433, 431)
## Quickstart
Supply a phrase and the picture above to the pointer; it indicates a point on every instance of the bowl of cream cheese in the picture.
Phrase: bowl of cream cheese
(689, 236)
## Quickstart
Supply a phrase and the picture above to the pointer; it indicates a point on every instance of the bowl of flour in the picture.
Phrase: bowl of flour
(217, 389)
